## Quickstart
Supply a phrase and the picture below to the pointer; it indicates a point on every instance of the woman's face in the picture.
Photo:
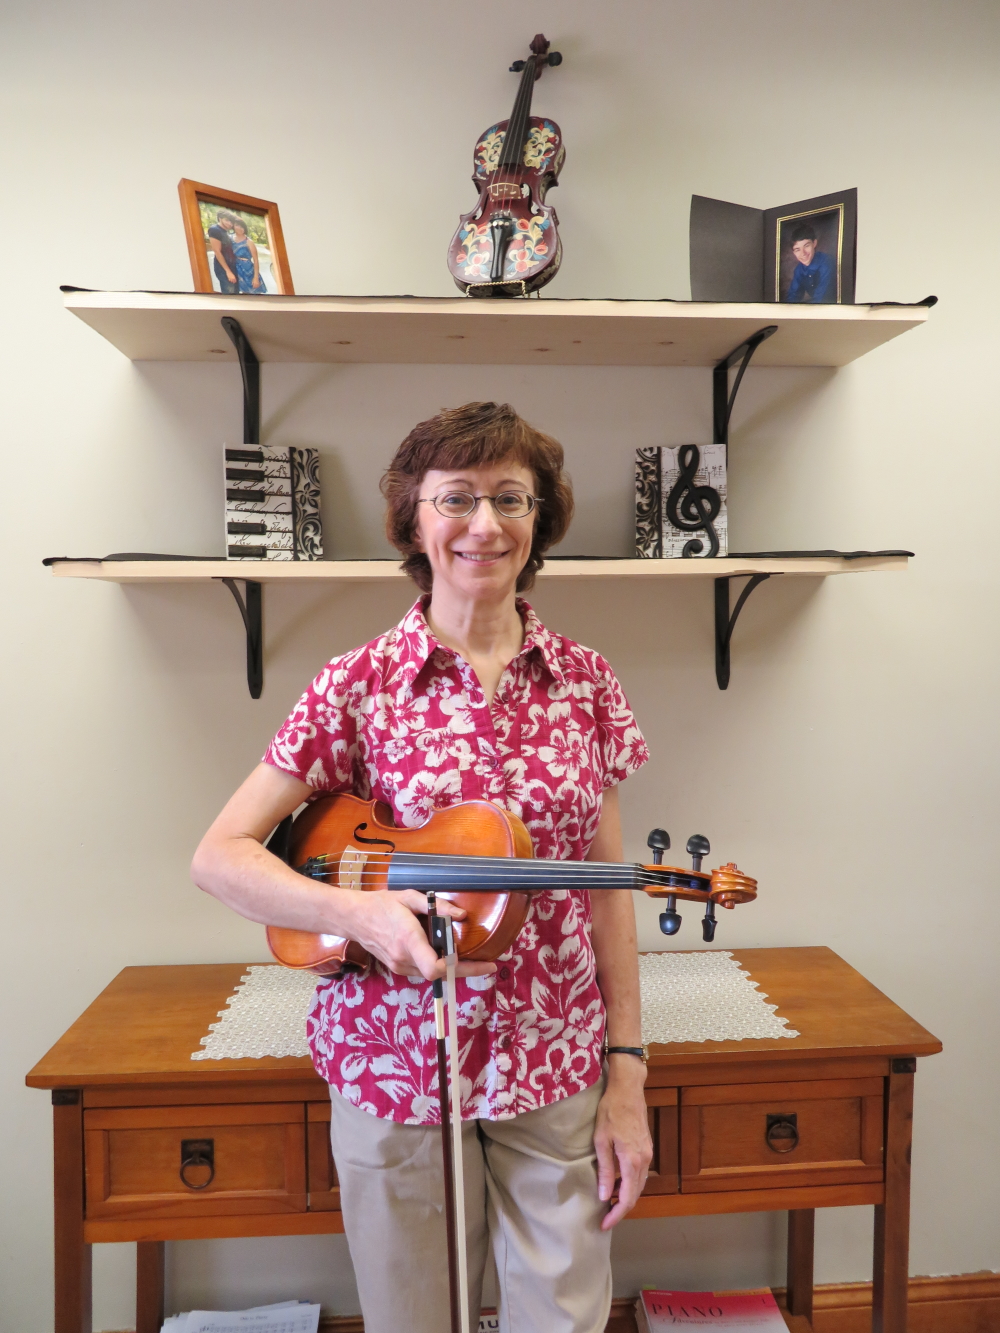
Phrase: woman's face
(478, 557)
(240, 232)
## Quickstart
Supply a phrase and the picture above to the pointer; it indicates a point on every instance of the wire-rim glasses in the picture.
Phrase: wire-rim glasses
(460, 504)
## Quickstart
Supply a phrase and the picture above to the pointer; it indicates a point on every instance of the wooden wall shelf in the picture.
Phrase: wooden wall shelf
(255, 573)
(363, 571)
(185, 326)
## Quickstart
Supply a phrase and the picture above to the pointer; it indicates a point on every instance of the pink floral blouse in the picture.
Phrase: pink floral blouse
(404, 720)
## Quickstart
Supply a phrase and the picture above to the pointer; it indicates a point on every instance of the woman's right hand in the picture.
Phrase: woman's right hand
(386, 924)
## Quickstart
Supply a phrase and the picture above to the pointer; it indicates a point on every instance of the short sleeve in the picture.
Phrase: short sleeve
(318, 742)
(622, 745)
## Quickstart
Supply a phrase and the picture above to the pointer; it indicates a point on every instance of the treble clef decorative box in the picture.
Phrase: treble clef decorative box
(680, 501)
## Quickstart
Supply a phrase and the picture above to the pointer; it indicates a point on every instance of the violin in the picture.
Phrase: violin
(509, 244)
(475, 855)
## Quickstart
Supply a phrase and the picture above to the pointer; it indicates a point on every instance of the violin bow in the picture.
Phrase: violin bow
(443, 940)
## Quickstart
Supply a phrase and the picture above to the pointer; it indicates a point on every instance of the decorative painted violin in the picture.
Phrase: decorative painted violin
(474, 854)
(509, 244)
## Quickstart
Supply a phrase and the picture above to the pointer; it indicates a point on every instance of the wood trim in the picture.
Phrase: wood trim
(757, 1200)
(149, 1286)
(662, 1096)
(663, 1175)
(728, 1094)
(892, 1216)
(964, 1303)
(220, 1227)
(195, 1115)
(72, 1251)
(767, 1071)
(185, 1094)
(801, 1252)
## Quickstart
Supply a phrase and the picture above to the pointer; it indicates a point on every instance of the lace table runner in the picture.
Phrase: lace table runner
(703, 997)
(685, 997)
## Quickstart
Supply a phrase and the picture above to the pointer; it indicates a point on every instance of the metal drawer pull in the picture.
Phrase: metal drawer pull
(195, 1153)
(782, 1132)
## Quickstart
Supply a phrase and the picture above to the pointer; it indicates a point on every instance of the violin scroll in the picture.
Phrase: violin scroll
(731, 887)
(539, 47)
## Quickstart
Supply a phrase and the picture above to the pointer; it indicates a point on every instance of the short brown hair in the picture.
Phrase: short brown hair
(475, 435)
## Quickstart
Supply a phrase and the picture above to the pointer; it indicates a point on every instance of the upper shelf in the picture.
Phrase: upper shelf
(182, 326)
(358, 571)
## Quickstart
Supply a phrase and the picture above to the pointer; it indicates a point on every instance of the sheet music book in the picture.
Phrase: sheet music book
(282, 1317)
(731, 1311)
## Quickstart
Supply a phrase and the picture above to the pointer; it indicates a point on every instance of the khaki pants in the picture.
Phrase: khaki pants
(530, 1190)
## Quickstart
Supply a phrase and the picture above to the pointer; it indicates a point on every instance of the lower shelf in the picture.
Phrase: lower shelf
(360, 571)
(254, 573)
(102, 1231)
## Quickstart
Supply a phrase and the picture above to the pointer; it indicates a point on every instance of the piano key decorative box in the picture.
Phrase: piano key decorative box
(680, 501)
(272, 503)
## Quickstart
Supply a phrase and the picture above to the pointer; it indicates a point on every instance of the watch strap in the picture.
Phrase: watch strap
(638, 1051)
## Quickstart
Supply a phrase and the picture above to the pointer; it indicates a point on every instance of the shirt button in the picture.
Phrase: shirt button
(503, 1042)
(504, 973)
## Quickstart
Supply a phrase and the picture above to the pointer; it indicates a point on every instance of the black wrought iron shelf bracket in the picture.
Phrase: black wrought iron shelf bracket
(725, 622)
(723, 399)
(251, 603)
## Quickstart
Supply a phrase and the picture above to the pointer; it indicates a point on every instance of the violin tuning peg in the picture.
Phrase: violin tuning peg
(517, 66)
(698, 846)
(555, 57)
(708, 922)
(670, 920)
(658, 842)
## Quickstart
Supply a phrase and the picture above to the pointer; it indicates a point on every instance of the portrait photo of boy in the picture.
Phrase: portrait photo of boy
(809, 253)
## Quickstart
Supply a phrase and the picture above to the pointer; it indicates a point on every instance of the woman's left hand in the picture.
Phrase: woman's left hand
(622, 1136)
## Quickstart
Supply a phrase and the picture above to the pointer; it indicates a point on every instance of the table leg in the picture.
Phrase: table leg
(149, 1286)
(801, 1236)
(72, 1257)
(892, 1218)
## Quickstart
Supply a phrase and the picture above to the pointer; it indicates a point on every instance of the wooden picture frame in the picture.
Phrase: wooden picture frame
(265, 249)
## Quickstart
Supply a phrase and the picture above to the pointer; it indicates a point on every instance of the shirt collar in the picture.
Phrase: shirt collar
(415, 643)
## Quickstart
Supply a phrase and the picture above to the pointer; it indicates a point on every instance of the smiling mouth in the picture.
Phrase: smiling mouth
(480, 557)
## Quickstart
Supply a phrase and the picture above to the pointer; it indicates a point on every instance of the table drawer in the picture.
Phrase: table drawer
(769, 1135)
(195, 1161)
(324, 1192)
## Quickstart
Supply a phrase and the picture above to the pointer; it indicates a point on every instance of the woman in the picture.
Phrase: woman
(468, 698)
(247, 263)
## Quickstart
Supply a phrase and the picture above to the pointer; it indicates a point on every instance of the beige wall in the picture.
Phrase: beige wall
(850, 765)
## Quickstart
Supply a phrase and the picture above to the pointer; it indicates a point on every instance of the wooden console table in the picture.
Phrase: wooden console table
(150, 1146)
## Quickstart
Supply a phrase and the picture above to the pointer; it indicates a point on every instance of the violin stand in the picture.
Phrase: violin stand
(443, 940)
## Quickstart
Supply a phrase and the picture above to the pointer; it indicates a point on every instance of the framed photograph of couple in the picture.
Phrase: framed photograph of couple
(234, 242)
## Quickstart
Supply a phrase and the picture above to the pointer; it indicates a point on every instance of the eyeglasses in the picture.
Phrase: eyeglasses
(460, 504)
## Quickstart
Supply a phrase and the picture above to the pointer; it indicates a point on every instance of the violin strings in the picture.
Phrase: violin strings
(515, 126)
(522, 869)
(609, 875)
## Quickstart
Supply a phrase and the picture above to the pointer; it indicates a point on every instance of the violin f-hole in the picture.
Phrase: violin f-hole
(359, 837)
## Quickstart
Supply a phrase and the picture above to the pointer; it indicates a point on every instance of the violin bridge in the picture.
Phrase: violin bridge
(352, 863)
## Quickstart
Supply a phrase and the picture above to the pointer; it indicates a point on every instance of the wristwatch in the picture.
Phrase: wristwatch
(638, 1051)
